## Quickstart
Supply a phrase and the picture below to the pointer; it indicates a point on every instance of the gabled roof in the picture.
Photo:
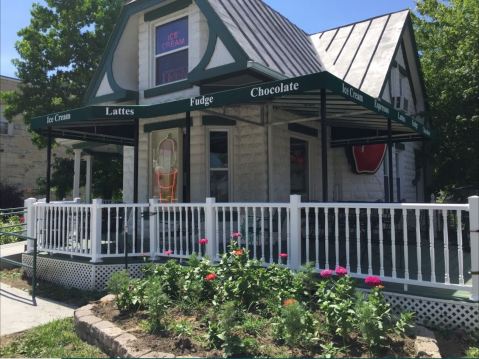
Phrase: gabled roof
(361, 53)
(267, 37)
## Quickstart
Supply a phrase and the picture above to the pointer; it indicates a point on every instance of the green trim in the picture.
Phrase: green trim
(123, 95)
(166, 9)
(205, 60)
(407, 72)
(225, 35)
(217, 121)
(168, 88)
(304, 130)
(163, 125)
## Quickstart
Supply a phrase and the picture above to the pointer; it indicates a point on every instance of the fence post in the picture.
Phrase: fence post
(295, 218)
(210, 226)
(153, 229)
(30, 220)
(95, 224)
(474, 237)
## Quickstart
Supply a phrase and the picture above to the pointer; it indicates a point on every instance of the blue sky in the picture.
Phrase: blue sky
(311, 15)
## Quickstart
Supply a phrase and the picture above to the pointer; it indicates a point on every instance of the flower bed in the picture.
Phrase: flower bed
(240, 308)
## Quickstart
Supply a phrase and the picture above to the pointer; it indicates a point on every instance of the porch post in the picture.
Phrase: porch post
(187, 162)
(474, 236)
(95, 228)
(88, 179)
(76, 172)
(135, 168)
(324, 146)
(210, 226)
(390, 162)
(30, 221)
(295, 237)
(49, 163)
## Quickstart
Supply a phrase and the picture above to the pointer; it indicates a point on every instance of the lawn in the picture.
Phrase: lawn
(56, 339)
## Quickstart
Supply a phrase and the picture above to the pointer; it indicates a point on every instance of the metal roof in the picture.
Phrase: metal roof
(361, 53)
(267, 37)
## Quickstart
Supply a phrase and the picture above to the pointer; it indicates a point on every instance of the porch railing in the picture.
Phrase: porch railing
(429, 245)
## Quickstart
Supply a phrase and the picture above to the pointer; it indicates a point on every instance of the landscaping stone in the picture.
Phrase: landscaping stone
(426, 344)
(122, 343)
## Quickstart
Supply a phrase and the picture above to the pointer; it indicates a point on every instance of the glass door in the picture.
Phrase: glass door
(299, 169)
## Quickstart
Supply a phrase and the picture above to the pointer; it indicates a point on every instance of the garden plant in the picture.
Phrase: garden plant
(242, 308)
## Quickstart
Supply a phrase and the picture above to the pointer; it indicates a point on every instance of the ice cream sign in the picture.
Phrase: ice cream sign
(58, 117)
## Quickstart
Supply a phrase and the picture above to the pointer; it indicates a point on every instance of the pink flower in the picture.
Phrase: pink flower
(22, 219)
(211, 276)
(341, 271)
(168, 252)
(326, 273)
(203, 241)
(236, 235)
(373, 281)
(283, 255)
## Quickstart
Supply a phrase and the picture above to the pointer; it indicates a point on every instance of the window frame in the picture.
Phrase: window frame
(9, 126)
(154, 56)
(229, 170)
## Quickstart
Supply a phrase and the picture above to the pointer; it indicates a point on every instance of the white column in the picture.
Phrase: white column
(153, 229)
(474, 228)
(210, 228)
(88, 179)
(96, 231)
(76, 173)
(295, 228)
(30, 221)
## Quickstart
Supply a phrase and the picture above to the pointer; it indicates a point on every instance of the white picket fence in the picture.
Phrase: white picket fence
(429, 245)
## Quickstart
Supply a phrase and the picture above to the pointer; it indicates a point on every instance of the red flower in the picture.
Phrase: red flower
(168, 252)
(373, 281)
(326, 273)
(203, 241)
(211, 276)
(238, 252)
(22, 219)
(341, 271)
(289, 301)
(283, 255)
(236, 234)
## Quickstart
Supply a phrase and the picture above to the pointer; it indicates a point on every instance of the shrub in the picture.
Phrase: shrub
(472, 352)
(336, 301)
(183, 331)
(169, 274)
(11, 224)
(295, 325)
(157, 303)
(129, 292)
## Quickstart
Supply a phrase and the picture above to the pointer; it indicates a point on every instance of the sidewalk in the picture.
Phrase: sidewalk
(18, 312)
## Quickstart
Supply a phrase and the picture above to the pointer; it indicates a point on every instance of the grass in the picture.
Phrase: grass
(69, 296)
(55, 339)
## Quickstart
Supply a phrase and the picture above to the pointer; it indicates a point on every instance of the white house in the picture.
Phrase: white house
(268, 145)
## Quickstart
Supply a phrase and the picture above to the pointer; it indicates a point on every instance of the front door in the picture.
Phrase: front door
(299, 169)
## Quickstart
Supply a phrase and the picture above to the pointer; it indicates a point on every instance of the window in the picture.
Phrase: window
(219, 166)
(171, 52)
(298, 154)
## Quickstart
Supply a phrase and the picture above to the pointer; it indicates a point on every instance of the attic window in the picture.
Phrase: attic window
(171, 52)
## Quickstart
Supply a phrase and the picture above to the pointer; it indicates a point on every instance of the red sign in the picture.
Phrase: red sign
(368, 158)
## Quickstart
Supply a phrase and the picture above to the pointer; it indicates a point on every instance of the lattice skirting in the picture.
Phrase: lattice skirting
(81, 275)
(432, 312)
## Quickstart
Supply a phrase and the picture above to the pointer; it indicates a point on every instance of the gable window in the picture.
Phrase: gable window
(171, 52)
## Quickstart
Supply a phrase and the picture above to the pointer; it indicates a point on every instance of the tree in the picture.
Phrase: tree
(59, 52)
(447, 33)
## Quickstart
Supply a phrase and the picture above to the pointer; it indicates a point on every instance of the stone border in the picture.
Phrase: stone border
(118, 343)
(107, 336)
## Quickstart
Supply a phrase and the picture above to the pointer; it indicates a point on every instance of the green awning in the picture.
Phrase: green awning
(346, 106)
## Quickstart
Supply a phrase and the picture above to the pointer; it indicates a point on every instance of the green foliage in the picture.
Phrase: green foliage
(59, 51)
(129, 292)
(447, 34)
(107, 172)
(336, 301)
(295, 325)
(11, 224)
(472, 352)
(157, 302)
(56, 339)
(331, 351)
(183, 331)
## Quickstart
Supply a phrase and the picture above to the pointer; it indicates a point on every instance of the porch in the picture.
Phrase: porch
(427, 248)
